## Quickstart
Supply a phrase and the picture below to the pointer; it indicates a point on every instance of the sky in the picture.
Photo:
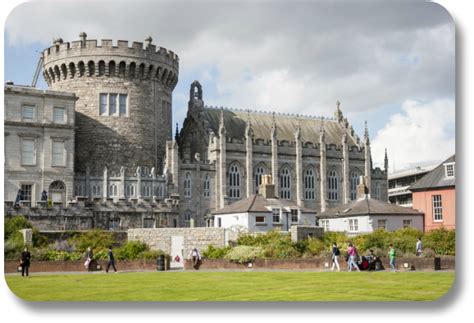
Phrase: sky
(390, 63)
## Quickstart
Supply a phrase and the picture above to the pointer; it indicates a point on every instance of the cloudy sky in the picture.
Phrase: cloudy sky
(390, 63)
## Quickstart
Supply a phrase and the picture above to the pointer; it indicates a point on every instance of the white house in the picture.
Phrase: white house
(265, 212)
(365, 215)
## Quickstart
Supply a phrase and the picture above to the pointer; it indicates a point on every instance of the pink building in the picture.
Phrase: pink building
(435, 195)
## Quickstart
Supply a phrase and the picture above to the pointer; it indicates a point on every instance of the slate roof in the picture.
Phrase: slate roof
(256, 203)
(367, 206)
(436, 178)
(236, 121)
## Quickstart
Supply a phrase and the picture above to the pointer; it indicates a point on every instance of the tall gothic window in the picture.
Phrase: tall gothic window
(207, 186)
(332, 185)
(187, 185)
(309, 184)
(354, 177)
(377, 191)
(130, 190)
(234, 181)
(259, 171)
(285, 183)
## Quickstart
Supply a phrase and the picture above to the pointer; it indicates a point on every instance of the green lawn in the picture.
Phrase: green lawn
(234, 286)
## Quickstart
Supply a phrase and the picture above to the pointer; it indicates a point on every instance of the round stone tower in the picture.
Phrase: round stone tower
(123, 113)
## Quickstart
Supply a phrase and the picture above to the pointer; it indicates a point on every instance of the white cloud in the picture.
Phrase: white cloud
(421, 132)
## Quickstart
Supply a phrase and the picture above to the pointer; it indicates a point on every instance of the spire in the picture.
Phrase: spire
(338, 113)
(248, 128)
(176, 136)
(274, 127)
(298, 130)
(385, 161)
(322, 132)
(221, 123)
(366, 134)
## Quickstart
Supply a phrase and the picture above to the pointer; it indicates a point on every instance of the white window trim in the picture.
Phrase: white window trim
(260, 223)
(446, 170)
(25, 105)
(34, 151)
(64, 154)
(433, 208)
(355, 223)
(117, 104)
(64, 121)
(279, 216)
(297, 216)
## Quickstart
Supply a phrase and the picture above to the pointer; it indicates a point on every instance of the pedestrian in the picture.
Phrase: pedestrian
(44, 196)
(419, 247)
(89, 256)
(335, 257)
(352, 252)
(392, 255)
(111, 261)
(19, 197)
(196, 258)
(25, 262)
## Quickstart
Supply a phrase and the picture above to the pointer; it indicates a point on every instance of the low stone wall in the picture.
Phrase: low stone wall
(301, 232)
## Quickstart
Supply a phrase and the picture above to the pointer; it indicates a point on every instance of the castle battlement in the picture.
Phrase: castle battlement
(85, 58)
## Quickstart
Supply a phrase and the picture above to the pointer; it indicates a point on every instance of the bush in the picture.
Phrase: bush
(243, 254)
(428, 253)
(96, 239)
(215, 253)
(315, 247)
(405, 240)
(131, 250)
(441, 241)
(153, 254)
(14, 224)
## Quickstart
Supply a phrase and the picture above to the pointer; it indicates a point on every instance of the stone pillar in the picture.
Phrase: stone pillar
(323, 172)
(249, 158)
(121, 189)
(153, 184)
(299, 168)
(345, 169)
(139, 183)
(275, 157)
(88, 182)
(27, 236)
(222, 163)
(367, 156)
(105, 188)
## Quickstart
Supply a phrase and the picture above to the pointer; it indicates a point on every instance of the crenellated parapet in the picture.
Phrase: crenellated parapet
(86, 58)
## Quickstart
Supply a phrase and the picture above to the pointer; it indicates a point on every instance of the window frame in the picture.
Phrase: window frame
(437, 207)
(309, 184)
(31, 191)
(33, 108)
(382, 221)
(63, 162)
(235, 178)
(276, 213)
(149, 220)
(64, 118)
(353, 225)
(333, 187)
(22, 152)
(264, 222)
(409, 225)
(447, 171)
(188, 185)
(292, 214)
(285, 183)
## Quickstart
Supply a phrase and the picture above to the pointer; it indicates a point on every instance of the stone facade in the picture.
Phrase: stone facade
(123, 114)
(37, 123)
(219, 156)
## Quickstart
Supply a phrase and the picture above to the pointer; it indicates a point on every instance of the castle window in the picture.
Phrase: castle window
(234, 181)
(58, 154)
(28, 152)
(187, 185)
(147, 191)
(113, 190)
(114, 224)
(130, 190)
(96, 190)
(149, 223)
(309, 184)
(109, 102)
(59, 115)
(187, 216)
(207, 186)
(285, 183)
(332, 185)
(28, 113)
(259, 171)
(354, 182)
(79, 190)
(103, 104)
(377, 191)
(123, 104)
(112, 104)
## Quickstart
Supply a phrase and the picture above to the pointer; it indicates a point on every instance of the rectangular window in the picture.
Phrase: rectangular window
(123, 104)
(294, 215)
(28, 113)
(324, 224)
(407, 224)
(353, 225)
(219, 222)
(26, 191)
(114, 224)
(112, 104)
(103, 104)
(382, 224)
(276, 215)
(59, 115)
(259, 219)
(148, 223)
(437, 208)
(28, 153)
(449, 170)
(58, 154)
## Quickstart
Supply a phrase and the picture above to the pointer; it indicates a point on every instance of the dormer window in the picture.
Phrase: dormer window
(449, 170)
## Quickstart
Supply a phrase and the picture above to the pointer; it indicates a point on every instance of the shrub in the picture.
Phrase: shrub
(96, 239)
(442, 241)
(379, 239)
(215, 253)
(13, 224)
(244, 254)
(315, 247)
(428, 253)
(131, 250)
(153, 254)
(405, 239)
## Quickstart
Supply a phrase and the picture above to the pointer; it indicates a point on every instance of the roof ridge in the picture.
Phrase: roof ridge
(253, 201)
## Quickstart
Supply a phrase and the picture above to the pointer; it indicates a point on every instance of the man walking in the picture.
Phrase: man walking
(391, 255)
(111, 261)
(419, 247)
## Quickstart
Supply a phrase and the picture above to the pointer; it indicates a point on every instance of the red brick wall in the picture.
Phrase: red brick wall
(423, 201)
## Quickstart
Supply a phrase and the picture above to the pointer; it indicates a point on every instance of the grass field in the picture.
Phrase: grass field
(234, 286)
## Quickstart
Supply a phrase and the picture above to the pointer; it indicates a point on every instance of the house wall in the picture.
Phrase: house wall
(423, 201)
(368, 224)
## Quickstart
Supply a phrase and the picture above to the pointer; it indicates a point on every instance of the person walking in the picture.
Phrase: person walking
(392, 255)
(111, 261)
(89, 256)
(25, 262)
(335, 257)
(352, 251)
(196, 258)
(419, 247)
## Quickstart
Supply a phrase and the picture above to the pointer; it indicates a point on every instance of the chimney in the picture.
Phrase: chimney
(362, 189)
(267, 189)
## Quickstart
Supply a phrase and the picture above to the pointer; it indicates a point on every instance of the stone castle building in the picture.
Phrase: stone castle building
(127, 165)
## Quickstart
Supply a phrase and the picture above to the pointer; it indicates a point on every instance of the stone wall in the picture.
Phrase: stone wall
(299, 232)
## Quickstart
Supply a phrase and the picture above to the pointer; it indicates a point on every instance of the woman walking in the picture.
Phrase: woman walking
(335, 257)
(352, 251)
(25, 262)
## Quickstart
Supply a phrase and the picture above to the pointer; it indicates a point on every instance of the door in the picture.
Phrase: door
(177, 261)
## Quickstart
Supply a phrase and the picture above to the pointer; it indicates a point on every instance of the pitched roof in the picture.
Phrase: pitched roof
(436, 178)
(256, 203)
(367, 206)
(235, 122)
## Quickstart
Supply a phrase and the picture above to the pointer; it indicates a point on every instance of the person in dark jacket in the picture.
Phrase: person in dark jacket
(111, 261)
(89, 256)
(25, 262)
(335, 257)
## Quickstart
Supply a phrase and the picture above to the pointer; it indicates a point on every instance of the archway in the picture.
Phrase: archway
(57, 192)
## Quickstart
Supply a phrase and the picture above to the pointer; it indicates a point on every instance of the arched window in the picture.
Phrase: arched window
(91, 68)
(64, 71)
(234, 181)
(101, 68)
(130, 190)
(159, 191)
(332, 185)
(377, 191)
(72, 69)
(96, 189)
(81, 67)
(78, 190)
(147, 190)
(112, 68)
(141, 71)
(132, 68)
(207, 186)
(122, 66)
(309, 184)
(113, 190)
(187, 215)
(285, 183)
(259, 171)
(354, 177)
(187, 185)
